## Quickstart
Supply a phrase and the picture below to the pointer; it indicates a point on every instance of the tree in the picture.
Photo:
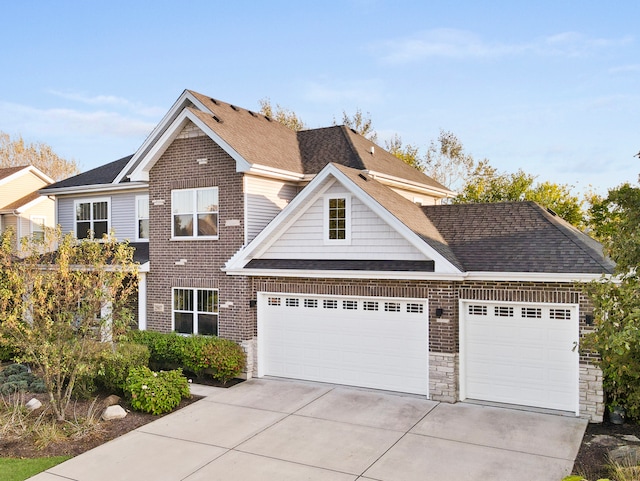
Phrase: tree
(486, 184)
(448, 163)
(56, 308)
(407, 153)
(615, 221)
(15, 153)
(360, 123)
(283, 115)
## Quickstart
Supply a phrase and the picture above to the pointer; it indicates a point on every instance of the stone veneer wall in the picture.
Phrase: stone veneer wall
(443, 377)
(591, 393)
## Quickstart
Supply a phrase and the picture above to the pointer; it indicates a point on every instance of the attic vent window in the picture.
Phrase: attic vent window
(217, 119)
(553, 213)
(235, 108)
(363, 177)
(268, 118)
(215, 101)
(253, 114)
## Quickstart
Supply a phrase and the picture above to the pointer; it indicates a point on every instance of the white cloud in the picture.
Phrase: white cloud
(454, 43)
(111, 101)
(26, 119)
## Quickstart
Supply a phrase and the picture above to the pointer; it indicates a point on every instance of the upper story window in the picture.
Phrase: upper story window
(92, 218)
(337, 219)
(142, 217)
(195, 213)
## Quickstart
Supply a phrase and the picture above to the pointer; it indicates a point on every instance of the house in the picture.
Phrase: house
(330, 260)
(22, 208)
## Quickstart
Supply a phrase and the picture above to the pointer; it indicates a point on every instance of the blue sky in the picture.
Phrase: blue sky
(552, 87)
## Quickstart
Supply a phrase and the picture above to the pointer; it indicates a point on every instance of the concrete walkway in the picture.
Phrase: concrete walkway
(268, 429)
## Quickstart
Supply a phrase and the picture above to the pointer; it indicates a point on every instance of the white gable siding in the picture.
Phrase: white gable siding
(123, 213)
(19, 187)
(371, 237)
(264, 199)
(417, 197)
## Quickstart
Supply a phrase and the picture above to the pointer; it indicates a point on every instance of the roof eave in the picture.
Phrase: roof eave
(400, 182)
(94, 188)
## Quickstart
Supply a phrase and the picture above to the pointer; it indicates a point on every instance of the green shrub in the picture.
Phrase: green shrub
(165, 349)
(17, 377)
(7, 352)
(156, 392)
(222, 358)
(116, 363)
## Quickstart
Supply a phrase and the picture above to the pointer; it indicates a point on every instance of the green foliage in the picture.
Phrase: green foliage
(58, 330)
(407, 153)
(286, 117)
(165, 349)
(222, 358)
(488, 185)
(156, 392)
(116, 363)
(17, 378)
(14, 469)
(617, 339)
(614, 221)
(360, 123)
(577, 477)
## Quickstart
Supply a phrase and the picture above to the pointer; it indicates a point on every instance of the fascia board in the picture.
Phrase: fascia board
(280, 174)
(390, 275)
(141, 172)
(95, 188)
(157, 132)
(400, 182)
(443, 265)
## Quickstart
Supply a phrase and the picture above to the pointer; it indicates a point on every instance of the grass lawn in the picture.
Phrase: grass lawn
(12, 469)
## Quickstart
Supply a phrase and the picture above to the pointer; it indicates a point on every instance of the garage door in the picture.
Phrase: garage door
(360, 341)
(520, 354)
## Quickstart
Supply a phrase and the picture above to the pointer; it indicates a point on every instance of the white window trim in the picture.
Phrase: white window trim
(195, 311)
(40, 221)
(325, 220)
(194, 212)
(91, 200)
(137, 219)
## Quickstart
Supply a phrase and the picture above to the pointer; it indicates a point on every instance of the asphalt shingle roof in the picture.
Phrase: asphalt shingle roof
(516, 237)
(7, 171)
(105, 174)
(20, 202)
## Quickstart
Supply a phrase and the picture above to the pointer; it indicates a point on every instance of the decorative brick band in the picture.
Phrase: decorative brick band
(194, 183)
(500, 293)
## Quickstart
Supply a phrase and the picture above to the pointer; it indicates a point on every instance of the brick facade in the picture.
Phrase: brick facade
(178, 168)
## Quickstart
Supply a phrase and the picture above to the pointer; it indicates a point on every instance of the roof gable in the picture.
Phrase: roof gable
(305, 206)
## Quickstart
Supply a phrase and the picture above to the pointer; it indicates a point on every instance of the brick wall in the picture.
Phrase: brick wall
(178, 169)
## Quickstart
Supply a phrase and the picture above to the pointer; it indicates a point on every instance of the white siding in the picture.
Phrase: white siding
(265, 198)
(371, 237)
(123, 212)
(418, 197)
(19, 187)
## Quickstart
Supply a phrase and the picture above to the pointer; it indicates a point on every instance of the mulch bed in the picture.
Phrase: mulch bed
(107, 430)
(598, 441)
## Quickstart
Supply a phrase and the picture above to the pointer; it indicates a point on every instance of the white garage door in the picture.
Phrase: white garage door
(520, 354)
(365, 341)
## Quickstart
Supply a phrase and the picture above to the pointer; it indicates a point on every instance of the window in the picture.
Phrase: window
(92, 218)
(503, 311)
(274, 301)
(559, 313)
(37, 227)
(370, 305)
(142, 217)
(330, 304)
(337, 219)
(195, 213)
(392, 307)
(533, 312)
(195, 311)
(292, 302)
(415, 308)
(350, 305)
(311, 303)
(478, 310)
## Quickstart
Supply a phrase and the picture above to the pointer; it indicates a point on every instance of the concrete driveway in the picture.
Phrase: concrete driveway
(268, 429)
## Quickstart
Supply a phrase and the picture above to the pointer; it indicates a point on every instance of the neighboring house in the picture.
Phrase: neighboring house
(331, 260)
(22, 208)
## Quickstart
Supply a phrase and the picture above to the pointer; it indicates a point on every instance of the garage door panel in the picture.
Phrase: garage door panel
(351, 344)
(520, 354)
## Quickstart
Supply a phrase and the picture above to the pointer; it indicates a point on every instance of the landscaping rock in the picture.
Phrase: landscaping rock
(605, 440)
(33, 404)
(113, 412)
(111, 400)
(626, 455)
